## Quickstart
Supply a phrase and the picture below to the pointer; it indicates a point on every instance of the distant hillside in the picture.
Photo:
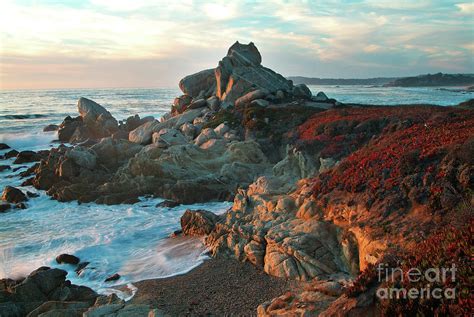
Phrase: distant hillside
(341, 81)
(431, 80)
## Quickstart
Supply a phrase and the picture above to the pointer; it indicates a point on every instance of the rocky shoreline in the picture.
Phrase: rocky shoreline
(322, 191)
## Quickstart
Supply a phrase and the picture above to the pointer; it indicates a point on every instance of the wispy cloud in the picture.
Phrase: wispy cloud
(321, 38)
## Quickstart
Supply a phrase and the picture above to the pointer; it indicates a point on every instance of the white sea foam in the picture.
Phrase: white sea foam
(131, 240)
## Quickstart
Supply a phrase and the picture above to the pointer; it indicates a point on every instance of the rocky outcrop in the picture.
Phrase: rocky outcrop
(240, 72)
(44, 285)
(46, 292)
(198, 222)
(13, 195)
(67, 259)
(203, 82)
(94, 122)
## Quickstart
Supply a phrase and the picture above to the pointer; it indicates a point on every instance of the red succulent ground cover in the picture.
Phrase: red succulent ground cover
(409, 140)
(448, 247)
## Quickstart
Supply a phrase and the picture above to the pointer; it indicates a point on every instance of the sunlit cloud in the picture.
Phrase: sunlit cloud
(325, 39)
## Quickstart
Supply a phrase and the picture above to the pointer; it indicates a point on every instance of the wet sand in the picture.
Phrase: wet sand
(217, 287)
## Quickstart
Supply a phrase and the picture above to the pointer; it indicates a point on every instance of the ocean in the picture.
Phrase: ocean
(125, 239)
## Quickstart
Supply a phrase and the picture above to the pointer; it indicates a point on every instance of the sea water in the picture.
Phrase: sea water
(127, 239)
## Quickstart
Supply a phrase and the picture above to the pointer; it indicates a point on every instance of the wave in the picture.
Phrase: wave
(23, 116)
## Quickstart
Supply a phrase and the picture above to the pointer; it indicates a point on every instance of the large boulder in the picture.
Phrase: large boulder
(13, 195)
(94, 122)
(204, 80)
(241, 72)
(82, 156)
(143, 134)
(97, 119)
(198, 222)
(168, 137)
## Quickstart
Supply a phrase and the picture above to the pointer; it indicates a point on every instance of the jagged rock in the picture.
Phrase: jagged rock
(326, 164)
(114, 153)
(241, 72)
(213, 103)
(204, 136)
(168, 137)
(180, 103)
(303, 250)
(4, 146)
(143, 134)
(81, 267)
(221, 129)
(67, 259)
(168, 204)
(4, 168)
(112, 277)
(10, 154)
(198, 222)
(189, 130)
(27, 157)
(13, 195)
(133, 122)
(193, 84)
(321, 97)
(68, 127)
(251, 96)
(82, 156)
(45, 291)
(58, 308)
(186, 173)
(4, 207)
(50, 128)
(260, 103)
(94, 122)
(302, 91)
(199, 103)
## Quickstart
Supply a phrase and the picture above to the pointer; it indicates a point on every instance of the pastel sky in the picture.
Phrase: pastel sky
(153, 43)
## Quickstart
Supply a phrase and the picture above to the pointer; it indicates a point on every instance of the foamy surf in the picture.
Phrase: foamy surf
(131, 240)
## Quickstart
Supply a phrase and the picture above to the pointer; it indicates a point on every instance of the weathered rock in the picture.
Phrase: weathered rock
(251, 96)
(302, 91)
(82, 156)
(198, 222)
(46, 292)
(240, 72)
(168, 204)
(112, 277)
(260, 103)
(199, 103)
(321, 97)
(67, 259)
(143, 134)
(81, 267)
(50, 128)
(193, 84)
(168, 137)
(4, 207)
(4, 168)
(13, 195)
(213, 103)
(221, 129)
(4, 146)
(68, 127)
(189, 130)
(27, 157)
(10, 154)
(180, 103)
(204, 136)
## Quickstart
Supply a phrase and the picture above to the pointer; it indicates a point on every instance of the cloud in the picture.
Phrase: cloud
(321, 37)
(466, 8)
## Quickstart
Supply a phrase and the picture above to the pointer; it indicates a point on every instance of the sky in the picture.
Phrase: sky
(154, 43)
